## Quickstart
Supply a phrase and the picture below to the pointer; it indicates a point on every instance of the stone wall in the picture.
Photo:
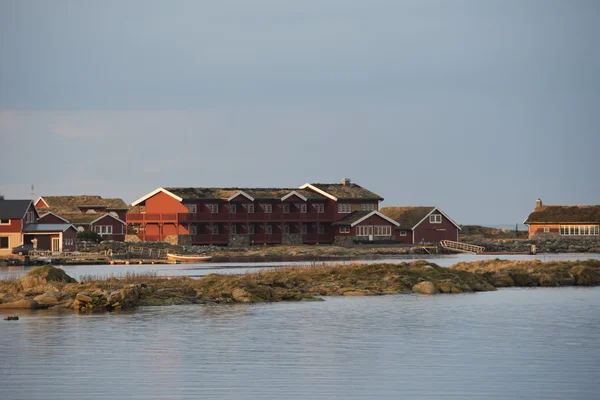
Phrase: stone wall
(171, 239)
(239, 241)
(132, 238)
(184, 240)
(291, 239)
(545, 243)
(344, 241)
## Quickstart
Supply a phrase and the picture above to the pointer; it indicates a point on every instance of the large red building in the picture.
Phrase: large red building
(313, 213)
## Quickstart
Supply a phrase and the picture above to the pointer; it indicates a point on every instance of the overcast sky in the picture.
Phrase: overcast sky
(478, 107)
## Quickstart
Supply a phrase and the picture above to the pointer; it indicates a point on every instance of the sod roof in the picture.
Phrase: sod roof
(70, 204)
(564, 214)
(407, 217)
(351, 218)
(199, 193)
(350, 191)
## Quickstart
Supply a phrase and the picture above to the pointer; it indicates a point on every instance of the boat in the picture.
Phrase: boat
(188, 258)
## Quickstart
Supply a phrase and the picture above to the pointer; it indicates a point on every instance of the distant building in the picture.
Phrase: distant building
(557, 220)
(19, 225)
(314, 213)
(421, 224)
(88, 213)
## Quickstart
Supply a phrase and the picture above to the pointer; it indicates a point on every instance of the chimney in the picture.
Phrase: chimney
(538, 203)
(346, 182)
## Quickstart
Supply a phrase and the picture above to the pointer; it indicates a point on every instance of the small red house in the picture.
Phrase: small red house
(365, 226)
(19, 225)
(568, 221)
(422, 224)
(88, 213)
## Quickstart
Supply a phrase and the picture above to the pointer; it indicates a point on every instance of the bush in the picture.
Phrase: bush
(89, 235)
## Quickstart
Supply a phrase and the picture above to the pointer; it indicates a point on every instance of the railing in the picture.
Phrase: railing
(461, 247)
(171, 217)
(278, 216)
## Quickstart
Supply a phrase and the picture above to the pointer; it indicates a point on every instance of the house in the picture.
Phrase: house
(422, 224)
(88, 213)
(244, 216)
(19, 225)
(557, 220)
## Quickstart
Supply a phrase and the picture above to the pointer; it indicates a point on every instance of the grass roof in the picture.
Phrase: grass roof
(351, 218)
(199, 193)
(565, 214)
(70, 204)
(407, 217)
(350, 191)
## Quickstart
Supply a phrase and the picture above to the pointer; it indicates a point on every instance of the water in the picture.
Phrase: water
(202, 269)
(509, 344)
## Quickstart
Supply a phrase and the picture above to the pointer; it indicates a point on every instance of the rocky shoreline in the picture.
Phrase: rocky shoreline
(51, 288)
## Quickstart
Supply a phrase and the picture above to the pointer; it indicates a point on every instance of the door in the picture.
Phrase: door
(55, 244)
(371, 233)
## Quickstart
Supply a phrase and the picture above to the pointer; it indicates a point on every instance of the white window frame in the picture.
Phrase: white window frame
(232, 208)
(344, 208)
(267, 208)
(251, 229)
(320, 208)
(250, 208)
(320, 228)
(269, 229)
(579, 230)
(286, 208)
(546, 230)
(5, 223)
(301, 207)
(344, 229)
(215, 229)
(214, 208)
(367, 207)
(103, 230)
(192, 208)
(435, 219)
(233, 230)
(304, 229)
(286, 228)
(403, 233)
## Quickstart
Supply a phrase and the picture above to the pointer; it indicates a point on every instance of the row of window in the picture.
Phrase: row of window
(233, 229)
(378, 230)
(69, 242)
(435, 219)
(103, 229)
(266, 207)
(577, 230)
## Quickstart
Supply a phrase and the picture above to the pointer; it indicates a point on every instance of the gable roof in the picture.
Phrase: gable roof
(70, 204)
(339, 191)
(564, 214)
(57, 216)
(407, 217)
(356, 217)
(47, 227)
(14, 208)
(225, 194)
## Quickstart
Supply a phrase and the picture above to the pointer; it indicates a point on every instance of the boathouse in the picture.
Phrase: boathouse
(421, 224)
(563, 220)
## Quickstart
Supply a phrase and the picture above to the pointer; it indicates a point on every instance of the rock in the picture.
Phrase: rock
(27, 304)
(42, 275)
(46, 299)
(241, 295)
(11, 318)
(82, 298)
(425, 288)
(584, 276)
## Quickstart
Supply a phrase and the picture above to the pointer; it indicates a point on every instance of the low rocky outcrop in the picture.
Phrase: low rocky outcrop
(425, 287)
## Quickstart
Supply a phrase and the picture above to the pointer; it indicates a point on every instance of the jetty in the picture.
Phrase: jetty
(459, 247)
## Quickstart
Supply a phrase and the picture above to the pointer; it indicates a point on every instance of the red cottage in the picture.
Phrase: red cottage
(19, 225)
(246, 216)
(422, 224)
(569, 221)
(88, 213)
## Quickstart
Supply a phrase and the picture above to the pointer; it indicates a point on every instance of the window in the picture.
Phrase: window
(233, 230)
(382, 230)
(344, 229)
(267, 208)
(250, 208)
(103, 229)
(69, 242)
(286, 208)
(402, 233)
(251, 229)
(435, 219)
(193, 230)
(320, 208)
(367, 207)
(4, 221)
(286, 228)
(546, 230)
(301, 207)
(214, 208)
(581, 230)
(362, 231)
(304, 230)
(321, 228)
(215, 229)
(344, 208)
(192, 208)
(269, 229)
(232, 208)
(3, 242)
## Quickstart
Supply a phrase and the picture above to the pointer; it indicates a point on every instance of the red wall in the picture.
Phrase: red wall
(117, 227)
(435, 232)
(163, 203)
(50, 219)
(15, 226)
(70, 233)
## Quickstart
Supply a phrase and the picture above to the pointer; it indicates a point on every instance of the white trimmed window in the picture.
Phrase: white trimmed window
(214, 208)
(269, 229)
(250, 208)
(233, 230)
(304, 229)
(367, 207)
(251, 229)
(193, 230)
(579, 230)
(192, 208)
(344, 208)
(382, 230)
(4, 221)
(344, 229)
(435, 219)
(320, 208)
(286, 228)
(321, 228)
(402, 233)
(215, 229)
(286, 208)
(546, 230)
(232, 208)
(301, 207)
(103, 229)
(4, 242)
(267, 208)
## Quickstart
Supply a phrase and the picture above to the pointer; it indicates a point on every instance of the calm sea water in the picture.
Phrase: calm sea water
(203, 269)
(509, 344)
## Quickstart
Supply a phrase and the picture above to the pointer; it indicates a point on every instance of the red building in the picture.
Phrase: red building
(568, 221)
(422, 224)
(19, 225)
(88, 213)
(244, 216)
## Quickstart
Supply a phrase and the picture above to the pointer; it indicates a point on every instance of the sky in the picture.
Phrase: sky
(477, 107)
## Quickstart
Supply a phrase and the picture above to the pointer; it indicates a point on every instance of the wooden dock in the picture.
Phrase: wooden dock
(459, 247)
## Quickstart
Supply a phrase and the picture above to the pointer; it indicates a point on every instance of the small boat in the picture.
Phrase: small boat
(190, 258)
